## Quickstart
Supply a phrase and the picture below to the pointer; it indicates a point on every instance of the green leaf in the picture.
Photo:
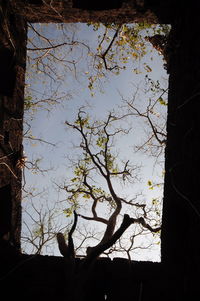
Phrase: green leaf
(86, 196)
(155, 202)
(68, 212)
(162, 101)
(74, 180)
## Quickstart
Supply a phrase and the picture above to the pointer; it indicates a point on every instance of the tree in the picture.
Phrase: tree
(115, 46)
(99, 160)
(106, 55)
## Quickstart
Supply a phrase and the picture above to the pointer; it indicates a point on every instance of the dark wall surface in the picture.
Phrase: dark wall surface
(13, 31)
(44, 278)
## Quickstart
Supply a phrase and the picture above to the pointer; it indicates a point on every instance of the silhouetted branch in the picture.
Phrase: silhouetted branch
(95, 252)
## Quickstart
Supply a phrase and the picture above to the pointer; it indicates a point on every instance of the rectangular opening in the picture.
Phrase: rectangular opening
(94, 136)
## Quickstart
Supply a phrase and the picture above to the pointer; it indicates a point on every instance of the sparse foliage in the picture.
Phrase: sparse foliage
(98, 167)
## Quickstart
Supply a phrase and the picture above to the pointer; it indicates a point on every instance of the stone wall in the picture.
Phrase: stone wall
(82, 11)
(13, 63)
(45, 278)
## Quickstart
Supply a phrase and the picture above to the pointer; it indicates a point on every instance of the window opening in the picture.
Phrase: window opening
(94, 136)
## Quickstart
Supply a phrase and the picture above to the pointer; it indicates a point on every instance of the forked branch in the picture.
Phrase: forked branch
(127, 221)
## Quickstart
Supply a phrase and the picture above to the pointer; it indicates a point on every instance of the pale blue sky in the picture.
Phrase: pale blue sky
(50, 125)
